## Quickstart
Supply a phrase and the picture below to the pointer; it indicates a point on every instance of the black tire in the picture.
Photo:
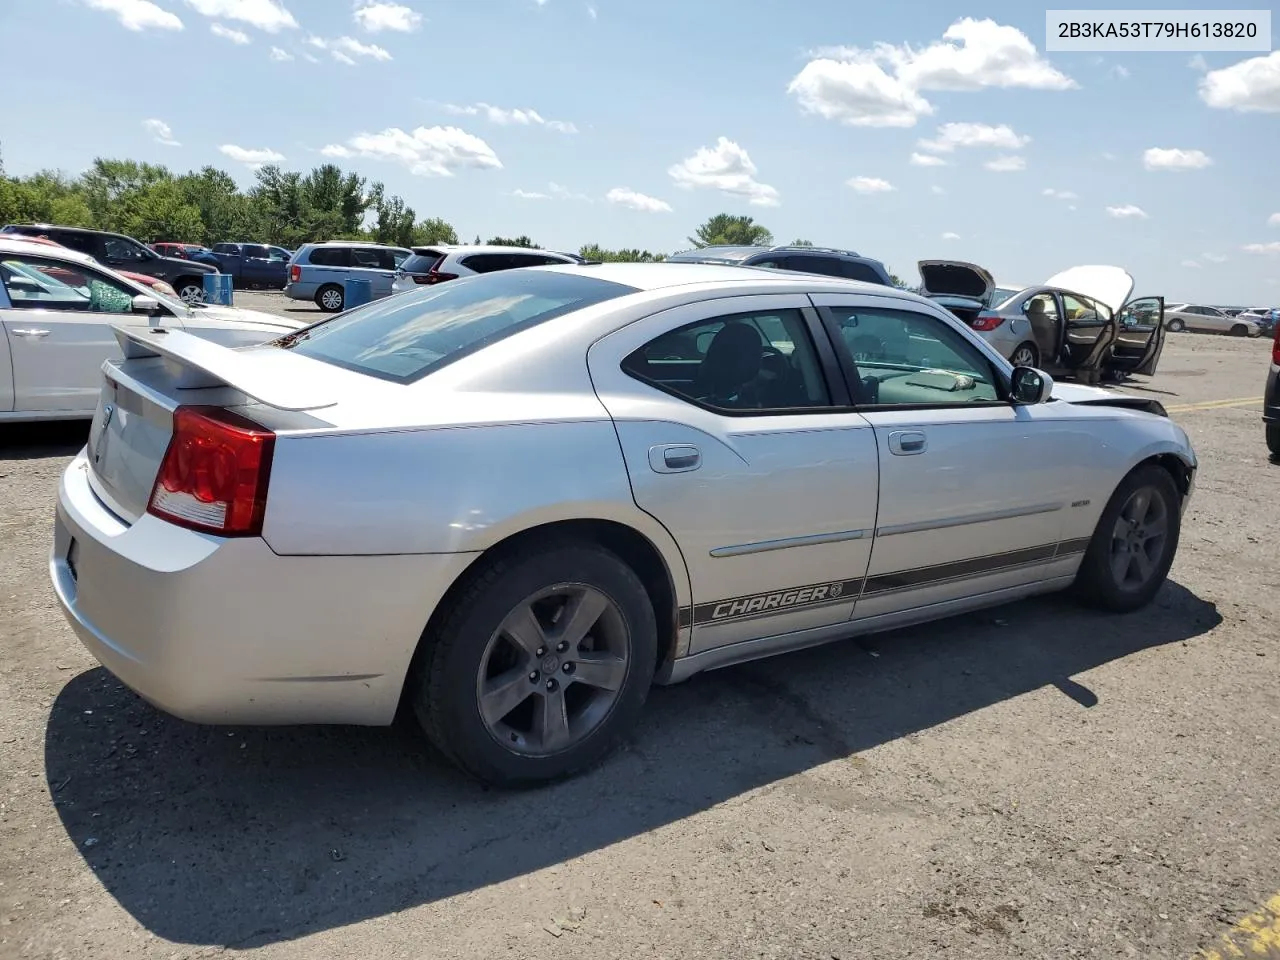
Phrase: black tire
(1025, 355)
(444, 683)
(1096, 582)
(1175, 326)
(331, 298)
(189, 289)
(1273, 439)
(1239, 330)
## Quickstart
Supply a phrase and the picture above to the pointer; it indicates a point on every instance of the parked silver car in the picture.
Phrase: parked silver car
(1080, 321)
(1202, 319)
(513, 501)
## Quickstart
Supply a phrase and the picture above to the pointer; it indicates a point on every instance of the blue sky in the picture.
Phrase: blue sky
(628, 123)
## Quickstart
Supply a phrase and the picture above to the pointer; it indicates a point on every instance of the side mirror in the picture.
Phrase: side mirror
(1030, 386)
(145, 304)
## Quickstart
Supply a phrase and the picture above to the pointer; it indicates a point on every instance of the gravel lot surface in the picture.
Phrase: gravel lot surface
(1034, 781)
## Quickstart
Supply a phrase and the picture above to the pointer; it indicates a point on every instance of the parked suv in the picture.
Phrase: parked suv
(318, 271)
(824, 260)
(124, 253)
(441, 262)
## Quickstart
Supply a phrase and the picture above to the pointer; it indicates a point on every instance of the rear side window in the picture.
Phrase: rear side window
(486, 262)
(81, 242)
(255, 250)
(404, 338)
(853, 270)
(421, 262)
(827, 266)
(372, 258)
(330, 256)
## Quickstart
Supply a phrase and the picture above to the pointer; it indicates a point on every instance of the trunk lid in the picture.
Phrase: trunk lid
(955, 278)
(1109, 285)
(162, 369)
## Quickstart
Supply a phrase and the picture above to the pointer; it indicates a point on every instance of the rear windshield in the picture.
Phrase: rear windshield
(406, 337)
(421, 262)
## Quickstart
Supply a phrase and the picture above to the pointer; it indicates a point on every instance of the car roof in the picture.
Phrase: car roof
(15, 245)
(465, 248)
(656, 276)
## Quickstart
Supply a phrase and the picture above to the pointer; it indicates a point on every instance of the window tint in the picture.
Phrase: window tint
(904, 357)
(121, 250)
(372, 258)
(421, 262)
(255, 250)
(34, 283)
(486, 262)
(224, 248)
(406, 337)
(82, 242)
(853, 270)
(330, 256)
(741, 362)
(827, 266)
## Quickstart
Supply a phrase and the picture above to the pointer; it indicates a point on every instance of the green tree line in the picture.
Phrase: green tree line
(153, 203)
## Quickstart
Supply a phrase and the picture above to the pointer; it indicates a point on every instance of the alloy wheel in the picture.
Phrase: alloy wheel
(553, 670)
(1139, 538)
(332, 299)
(1024, 356)
(190, 293)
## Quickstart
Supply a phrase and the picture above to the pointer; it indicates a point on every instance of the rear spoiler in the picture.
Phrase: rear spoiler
(265, 376)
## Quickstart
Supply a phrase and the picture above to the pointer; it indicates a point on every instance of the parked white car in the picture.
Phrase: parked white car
(514, 501)
(436, 264)
(57, 308)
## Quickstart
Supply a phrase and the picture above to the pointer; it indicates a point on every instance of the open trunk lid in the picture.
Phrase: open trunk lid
(955, 278)
(163, 369)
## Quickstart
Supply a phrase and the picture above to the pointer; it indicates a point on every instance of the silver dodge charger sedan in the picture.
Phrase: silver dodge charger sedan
(514, 501)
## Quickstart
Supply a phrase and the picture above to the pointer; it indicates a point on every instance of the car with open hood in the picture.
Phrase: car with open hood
(1081, 321)
(57, 308)
(511, 502)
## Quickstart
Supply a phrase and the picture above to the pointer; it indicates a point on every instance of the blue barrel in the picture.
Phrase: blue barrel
(219, 288)
(355, 293)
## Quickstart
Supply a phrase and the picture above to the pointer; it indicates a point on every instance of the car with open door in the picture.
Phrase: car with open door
(744, 462)
(1070, 323)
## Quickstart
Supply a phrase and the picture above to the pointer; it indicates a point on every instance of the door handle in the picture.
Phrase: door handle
(29, 332)
(674, 458)
(906, 443)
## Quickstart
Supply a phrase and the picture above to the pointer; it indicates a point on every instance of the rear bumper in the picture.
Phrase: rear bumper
(301, 290)
(226, 631)
(1271, 397)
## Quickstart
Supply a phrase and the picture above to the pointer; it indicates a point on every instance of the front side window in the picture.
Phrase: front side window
(739, 363)
(404, 338)
(905, 357)
(37, 284)
(120, 250)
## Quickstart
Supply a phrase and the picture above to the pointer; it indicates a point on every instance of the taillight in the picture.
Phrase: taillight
(295, 273)
(214, 474)
(1275, 346)
(986, 322)
(434, 277)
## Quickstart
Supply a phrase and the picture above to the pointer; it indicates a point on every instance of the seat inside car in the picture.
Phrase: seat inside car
(728, 372)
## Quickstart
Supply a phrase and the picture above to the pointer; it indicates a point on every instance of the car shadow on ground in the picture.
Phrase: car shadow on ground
(34, 441)
(247, 836)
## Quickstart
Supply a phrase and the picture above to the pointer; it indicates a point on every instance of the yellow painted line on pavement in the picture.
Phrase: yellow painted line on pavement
(1256, 936)
(1213, 404)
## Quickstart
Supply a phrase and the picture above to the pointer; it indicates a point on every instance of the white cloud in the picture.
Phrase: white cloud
(309, 58)
(591, 11)
(138, 15)
(881, 86)
(344, 49)
(950, 236)
(1010, 164)
(160, 130)
(268, 15)
(1058, 194)
(869, 185)
(1272, 247)
(1120, 72)
(376, 16)
(342, 58)
(250, 157)
(1127, 211)
(1191, 264)
(725, 167)
(952, 135)
(935, 189)
(427, 151)
(1273, 220)
(1160, 158)
(1198, 62)
(1250, 86)
(1214, 257)
(512, 117)
(530, 195)
(925, 160)
(626, 197)
(227, 33)
(282, 56)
